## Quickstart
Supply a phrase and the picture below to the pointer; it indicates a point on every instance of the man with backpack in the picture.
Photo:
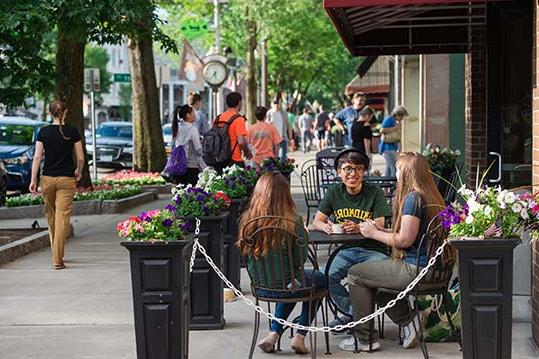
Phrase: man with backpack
(224, 143)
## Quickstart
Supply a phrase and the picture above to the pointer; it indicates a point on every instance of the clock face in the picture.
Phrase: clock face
(215, 73)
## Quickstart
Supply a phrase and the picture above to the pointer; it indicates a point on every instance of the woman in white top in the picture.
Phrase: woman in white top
(185, 134)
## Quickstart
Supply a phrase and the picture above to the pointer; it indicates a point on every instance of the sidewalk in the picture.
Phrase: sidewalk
(85, 311)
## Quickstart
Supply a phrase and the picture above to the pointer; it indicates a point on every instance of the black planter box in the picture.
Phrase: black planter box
(486, 286)
(160, 281)
(206, 286)
(232, 263)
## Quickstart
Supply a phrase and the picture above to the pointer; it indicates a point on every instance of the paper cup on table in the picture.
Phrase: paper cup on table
(337, 228)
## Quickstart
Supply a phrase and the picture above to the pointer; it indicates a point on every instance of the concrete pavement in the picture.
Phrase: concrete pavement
(85, 311)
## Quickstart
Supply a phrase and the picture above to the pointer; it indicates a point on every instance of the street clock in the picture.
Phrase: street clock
(215, 73)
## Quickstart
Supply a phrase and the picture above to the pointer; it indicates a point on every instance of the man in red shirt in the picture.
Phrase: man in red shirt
(237, 131)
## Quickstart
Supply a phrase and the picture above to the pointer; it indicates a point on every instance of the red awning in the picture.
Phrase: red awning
(394, 27)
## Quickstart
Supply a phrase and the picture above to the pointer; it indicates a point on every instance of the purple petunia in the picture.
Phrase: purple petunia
(186, 227)
(170, 208)
(177, 199)
(167, 222)
(145, 217)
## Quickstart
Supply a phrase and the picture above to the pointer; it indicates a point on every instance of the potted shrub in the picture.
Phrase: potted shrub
(485, 228)
(160, 251)
(237, 183)
(190, 203)
(285, 167)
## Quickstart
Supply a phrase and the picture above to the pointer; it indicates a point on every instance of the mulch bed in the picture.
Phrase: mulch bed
(11, 234)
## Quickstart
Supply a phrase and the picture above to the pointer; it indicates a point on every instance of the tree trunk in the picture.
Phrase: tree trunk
(69, 87)
(149, 148)
(250, 96)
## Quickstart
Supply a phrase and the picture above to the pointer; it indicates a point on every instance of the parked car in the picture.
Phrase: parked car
(17, 146)
(167, 137)
(114, 145)
(3, 183)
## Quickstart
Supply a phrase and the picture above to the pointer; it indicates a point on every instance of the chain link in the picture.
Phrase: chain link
(296, 326)
(195, 245)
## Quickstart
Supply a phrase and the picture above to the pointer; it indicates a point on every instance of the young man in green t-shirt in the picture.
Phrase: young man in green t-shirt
(350, 203)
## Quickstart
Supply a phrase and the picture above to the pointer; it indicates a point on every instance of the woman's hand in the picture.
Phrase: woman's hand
(350, 227)
(368, 228)
(33, 187)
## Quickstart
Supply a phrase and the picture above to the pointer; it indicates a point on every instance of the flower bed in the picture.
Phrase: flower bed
(189, 201)
(129, 177)
(155, 225)
(236, 182)
(271, 165)
(99, 192)
(443, 158)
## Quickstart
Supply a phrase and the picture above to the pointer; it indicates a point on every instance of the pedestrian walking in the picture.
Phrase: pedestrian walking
(201, 120)
(263, 137)
(348, 115)
(278, 117)
(322, 120)
(59, 177)
(306, 123)
(184, 133)
(391, 136)
(362, 132)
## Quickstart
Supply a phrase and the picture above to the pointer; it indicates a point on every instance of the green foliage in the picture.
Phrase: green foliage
(97, 57)
(155, 225)
(192, 201)
(107, 193)
(25, 65)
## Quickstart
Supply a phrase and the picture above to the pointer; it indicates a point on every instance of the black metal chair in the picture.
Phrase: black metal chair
(447, 181)
(266, 275)
(310, 186)
(435, 283)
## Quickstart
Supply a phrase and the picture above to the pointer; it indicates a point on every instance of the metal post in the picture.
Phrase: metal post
(94, 147)
(217, 26)
(396, 81)
(264, 75)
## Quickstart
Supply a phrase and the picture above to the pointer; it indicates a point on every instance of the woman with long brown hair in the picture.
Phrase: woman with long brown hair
(59, 177)
(271, 197)
(416, 203)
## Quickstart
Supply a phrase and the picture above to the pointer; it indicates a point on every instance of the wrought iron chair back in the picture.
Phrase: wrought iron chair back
(310, 185)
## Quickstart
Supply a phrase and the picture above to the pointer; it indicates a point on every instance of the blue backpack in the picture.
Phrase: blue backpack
(177, 162)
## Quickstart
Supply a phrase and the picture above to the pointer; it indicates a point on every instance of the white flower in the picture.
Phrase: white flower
(469, 219)
(457, 152)
(524, 214)
(473, 206)
(488, 210)
(510, 197)
(516, 207)
(437, 150)
(429, 146)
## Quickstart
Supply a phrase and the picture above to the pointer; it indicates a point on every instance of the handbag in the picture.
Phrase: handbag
(392, 137)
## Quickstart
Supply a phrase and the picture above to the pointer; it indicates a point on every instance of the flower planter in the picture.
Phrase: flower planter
(486, 284)
(232, 261)
(160, 281)
(206, 286)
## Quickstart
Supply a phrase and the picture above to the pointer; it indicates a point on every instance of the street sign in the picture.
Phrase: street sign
(122, 77)
(193, 28)
(92, 80)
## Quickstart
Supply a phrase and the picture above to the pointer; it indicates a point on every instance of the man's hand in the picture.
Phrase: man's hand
(350, 227)
(327, 227)
(77, 174)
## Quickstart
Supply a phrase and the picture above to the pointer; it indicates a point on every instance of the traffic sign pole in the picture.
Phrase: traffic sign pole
(94, 147)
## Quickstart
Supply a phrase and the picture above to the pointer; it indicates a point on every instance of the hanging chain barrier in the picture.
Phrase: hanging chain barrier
(198, 247)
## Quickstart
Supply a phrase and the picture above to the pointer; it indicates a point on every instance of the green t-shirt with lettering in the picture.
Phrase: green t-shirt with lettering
(369, 203)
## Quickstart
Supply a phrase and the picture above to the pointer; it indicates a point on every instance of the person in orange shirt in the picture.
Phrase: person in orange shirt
(264, 137)
(237, 131)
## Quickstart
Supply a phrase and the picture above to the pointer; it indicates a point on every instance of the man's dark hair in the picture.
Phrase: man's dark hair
(193, 98)
(276, 101)
(260, 113)
(355, 158)
(359, 94)
(233, 99)
(306, 109)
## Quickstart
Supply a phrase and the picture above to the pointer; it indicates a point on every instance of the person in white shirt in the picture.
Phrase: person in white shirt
(201, 120)
(279, 118)
(306, 126)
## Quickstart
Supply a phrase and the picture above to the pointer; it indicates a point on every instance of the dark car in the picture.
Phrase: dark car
(17, 145)
(3, 183)
(114, 145)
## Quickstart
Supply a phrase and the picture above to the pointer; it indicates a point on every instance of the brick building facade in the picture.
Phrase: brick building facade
(535, 173)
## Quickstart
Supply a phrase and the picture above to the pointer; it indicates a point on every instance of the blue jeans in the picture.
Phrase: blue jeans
(283, 148)
(345, 259)
(283, 310)
(390, 157)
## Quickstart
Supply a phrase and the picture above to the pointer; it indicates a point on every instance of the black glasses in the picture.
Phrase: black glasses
(350, 169)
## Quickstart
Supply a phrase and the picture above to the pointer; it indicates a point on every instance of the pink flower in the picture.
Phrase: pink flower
(153, 213)
(139, 228)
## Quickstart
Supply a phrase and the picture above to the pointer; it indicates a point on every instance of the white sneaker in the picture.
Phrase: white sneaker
(410, 334)
(348, 345)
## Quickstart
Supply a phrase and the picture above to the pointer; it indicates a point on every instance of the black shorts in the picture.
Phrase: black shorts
(321, 134)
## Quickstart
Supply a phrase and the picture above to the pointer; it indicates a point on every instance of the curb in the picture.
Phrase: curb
(160, 189)
(26, 245)
(120, 205)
